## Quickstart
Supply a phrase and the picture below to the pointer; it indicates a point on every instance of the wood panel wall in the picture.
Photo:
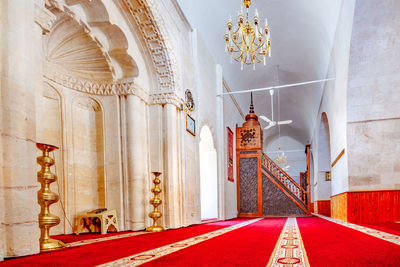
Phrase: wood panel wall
(367, 206)
(339, 207)
(323, 207)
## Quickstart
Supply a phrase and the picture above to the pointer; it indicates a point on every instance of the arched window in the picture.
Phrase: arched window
(208, 175)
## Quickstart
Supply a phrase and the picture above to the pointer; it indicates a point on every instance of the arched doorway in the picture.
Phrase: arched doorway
(208, 176)
(322, 185)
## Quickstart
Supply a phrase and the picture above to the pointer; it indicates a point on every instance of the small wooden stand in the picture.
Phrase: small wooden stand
(107, 218)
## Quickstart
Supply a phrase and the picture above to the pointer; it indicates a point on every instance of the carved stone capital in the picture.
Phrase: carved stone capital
(166, 98)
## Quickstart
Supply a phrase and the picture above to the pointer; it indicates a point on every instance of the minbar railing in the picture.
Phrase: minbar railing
(286, 180)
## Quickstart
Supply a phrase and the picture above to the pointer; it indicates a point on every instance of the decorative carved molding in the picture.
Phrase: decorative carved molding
(44, 18)
(109, 37)
(88, 104)
(150, 23)
(108, 88)
(166, 98)
(103, 88)
(247, 137)
(148, 18)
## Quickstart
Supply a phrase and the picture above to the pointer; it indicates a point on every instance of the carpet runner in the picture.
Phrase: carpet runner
(144, 257)
(248, 246)
(306, 241)
(331, 244)
(289, 249)
(103, 252)
(375, 233)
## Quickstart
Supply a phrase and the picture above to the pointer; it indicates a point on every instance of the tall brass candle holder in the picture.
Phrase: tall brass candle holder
(155, 201)
(46, 198)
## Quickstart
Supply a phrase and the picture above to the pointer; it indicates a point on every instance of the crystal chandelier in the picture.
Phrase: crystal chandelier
(248, 44)
(281, 158)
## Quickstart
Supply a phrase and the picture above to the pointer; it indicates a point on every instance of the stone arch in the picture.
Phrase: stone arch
(323, 188)
(50, 130)
(147, 17)
(93, 17)
(88, 154)
(208, 175)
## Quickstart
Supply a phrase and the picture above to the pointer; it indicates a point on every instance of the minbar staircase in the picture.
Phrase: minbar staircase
(263, 188)
(298, 194)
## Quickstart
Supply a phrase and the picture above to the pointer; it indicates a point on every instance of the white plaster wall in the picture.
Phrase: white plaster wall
(294, 152)
(232, 117)
(373, 128)
(206, 91)
(333, 100)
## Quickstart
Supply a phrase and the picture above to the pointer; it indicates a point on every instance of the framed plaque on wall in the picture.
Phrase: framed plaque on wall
(190, 125)
(230, 154)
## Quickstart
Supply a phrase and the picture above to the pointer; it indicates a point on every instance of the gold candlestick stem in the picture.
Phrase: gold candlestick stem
(46, 198)
(155, 201)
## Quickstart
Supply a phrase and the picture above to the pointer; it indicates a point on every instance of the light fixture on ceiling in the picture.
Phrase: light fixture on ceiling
(248, 44)
(281, 158)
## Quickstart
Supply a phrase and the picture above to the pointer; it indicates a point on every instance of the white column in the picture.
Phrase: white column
(172, 185)
(137, 157)
(220, 144)
(21, 76)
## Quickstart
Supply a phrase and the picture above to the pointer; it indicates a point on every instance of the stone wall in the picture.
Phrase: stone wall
(116, 115)
(374, 97)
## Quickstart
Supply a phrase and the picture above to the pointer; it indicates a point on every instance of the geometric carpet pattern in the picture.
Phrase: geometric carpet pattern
(289, 249)
(102, 239)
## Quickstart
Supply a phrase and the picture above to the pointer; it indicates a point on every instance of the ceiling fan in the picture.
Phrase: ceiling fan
(271, 122)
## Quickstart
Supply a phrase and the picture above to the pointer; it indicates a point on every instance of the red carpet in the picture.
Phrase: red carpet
(391, 228)
(103, 252)
(330, 244)
(85, 236)
(251, 245)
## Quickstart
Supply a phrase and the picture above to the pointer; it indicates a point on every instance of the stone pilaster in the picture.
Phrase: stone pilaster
(20, 79)
(172, 176)
(137, 157)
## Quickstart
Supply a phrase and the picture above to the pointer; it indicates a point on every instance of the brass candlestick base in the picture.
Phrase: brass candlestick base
(46, 198)
(155, 201)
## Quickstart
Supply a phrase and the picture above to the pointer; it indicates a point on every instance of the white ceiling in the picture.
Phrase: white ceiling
(302, 34)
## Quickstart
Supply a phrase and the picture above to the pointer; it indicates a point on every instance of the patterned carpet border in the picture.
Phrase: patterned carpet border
(395, 239)
(289, 250)
(147, 256)
(101, 239)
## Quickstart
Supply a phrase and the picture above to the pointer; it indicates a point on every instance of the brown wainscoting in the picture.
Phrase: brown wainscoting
(339, 207)
(323, 207)
(367, 206)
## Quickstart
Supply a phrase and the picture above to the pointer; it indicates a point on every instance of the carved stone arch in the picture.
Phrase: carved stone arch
(147, 17)
(51, 91)
(88, 155)
(94, 18)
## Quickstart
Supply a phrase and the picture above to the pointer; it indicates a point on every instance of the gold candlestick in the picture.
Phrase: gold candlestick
(155, 201)
(46, 198)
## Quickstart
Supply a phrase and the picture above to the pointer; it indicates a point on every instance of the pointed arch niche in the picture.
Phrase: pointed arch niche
(50, 131)
(88, 143)
(322, 186)
(208, 175)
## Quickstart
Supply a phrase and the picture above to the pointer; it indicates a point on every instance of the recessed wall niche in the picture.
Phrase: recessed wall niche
(88, 155)
(50, 131)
